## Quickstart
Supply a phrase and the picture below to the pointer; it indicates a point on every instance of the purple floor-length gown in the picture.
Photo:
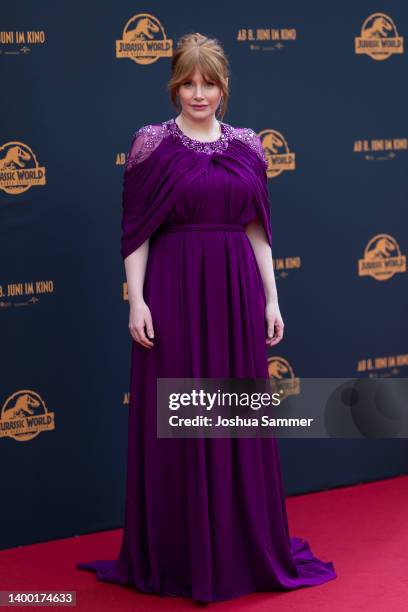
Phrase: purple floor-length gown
(205, 518)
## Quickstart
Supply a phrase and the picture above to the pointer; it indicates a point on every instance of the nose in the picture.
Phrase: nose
(198, 93)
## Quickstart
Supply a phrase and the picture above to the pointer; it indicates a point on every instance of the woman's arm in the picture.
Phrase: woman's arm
(263, 254)
(139, 315)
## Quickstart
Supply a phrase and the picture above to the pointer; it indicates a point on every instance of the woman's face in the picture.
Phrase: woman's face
(199, 98)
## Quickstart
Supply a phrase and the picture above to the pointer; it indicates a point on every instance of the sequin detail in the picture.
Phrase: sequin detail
(148, 137)
(144, 141)
(251, 138)
(215, 146)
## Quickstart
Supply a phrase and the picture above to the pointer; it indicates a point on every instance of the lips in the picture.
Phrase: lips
(199, 105)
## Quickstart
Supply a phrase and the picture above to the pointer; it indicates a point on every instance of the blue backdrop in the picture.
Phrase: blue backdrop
(325, 87)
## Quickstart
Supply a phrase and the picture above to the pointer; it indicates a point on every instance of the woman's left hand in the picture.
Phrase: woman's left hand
(274, 323)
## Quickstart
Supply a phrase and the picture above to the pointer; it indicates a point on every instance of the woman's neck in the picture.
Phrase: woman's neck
(204, 129)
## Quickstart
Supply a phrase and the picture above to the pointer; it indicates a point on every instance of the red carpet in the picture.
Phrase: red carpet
(363, 529)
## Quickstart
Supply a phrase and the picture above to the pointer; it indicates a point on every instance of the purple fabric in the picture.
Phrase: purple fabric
(205, 518)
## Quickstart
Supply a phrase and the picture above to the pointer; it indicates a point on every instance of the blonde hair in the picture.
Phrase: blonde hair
(206, 54)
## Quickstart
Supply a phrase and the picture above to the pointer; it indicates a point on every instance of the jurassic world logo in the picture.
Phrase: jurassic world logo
(390, 363)
(382, 258)
(277, 153)
(282, 377)
(24, 416)
(380, 148)
(19, 168)
(144, 40)
(379, 38)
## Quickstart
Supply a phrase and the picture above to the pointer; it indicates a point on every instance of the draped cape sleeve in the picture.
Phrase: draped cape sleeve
(262, 201)
(254, 165)
(146, 185)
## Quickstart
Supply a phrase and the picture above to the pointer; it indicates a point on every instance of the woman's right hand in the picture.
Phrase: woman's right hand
(139, 316)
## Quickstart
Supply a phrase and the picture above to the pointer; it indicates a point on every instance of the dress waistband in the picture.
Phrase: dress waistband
(187, 227)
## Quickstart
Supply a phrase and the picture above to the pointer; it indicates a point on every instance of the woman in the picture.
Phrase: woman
(205, 518)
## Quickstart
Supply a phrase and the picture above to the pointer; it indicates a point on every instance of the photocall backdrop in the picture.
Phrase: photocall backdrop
(325, 86)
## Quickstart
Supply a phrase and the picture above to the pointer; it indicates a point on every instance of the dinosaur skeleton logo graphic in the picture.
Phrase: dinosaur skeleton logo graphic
(382, 258)
(277, 152)
(24, 415)
(379, 38)
(19, 168)
(144, 40)
(282, 377)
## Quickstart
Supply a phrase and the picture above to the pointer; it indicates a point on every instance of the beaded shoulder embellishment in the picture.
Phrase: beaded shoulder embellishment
(144, 141)
(148, 137)
(251, 138)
